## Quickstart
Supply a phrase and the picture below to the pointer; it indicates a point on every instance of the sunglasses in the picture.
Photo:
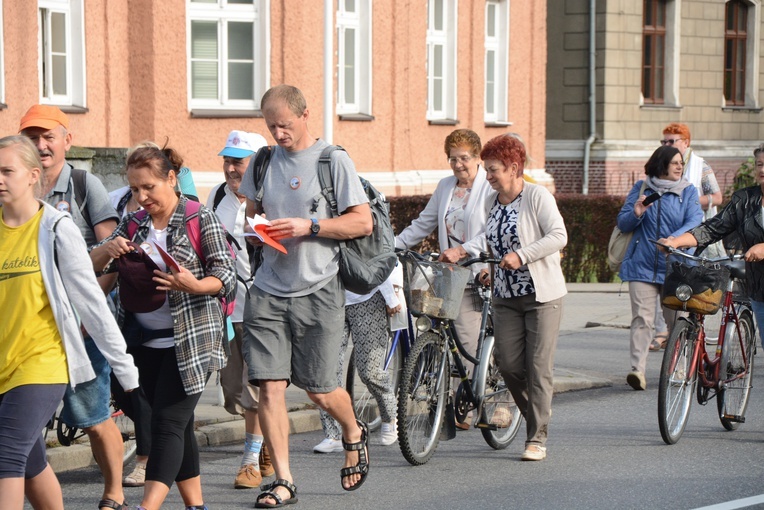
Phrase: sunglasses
(670, 141)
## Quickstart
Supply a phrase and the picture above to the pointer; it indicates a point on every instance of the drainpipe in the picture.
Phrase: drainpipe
(592, 92)
(328, 74)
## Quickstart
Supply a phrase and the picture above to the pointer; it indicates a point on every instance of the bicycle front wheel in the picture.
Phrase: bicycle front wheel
(364, 403)
(677, 381)
(422, 398)
(499, 409)
(736, 368)
(127, 431)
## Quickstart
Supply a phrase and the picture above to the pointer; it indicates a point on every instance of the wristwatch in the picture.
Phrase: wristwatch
(314, 227)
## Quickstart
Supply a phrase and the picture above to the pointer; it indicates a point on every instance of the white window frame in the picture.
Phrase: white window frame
(446, 39)
(222, 13)
(752, 52)
(360, 22)
(74, 37)
(499, 45)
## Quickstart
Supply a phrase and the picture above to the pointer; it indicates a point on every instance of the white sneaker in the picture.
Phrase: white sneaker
(534, 452)
(389, 433)
(328, 445)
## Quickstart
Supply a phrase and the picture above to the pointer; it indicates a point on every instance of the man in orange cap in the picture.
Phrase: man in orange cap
(82, 194)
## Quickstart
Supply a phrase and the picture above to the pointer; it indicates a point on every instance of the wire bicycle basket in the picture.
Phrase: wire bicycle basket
(434, 289)
(694, 286)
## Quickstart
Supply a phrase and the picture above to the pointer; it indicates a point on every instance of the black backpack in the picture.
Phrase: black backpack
(365, 262)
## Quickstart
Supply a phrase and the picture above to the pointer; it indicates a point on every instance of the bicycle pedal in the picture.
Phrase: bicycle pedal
(486, 426)
(734, 418)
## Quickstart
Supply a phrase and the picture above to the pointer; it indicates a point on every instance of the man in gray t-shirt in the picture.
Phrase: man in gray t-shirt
(87, 408)
(294, 315)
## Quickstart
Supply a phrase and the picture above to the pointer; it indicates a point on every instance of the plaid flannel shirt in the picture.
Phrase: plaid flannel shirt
(197, 319)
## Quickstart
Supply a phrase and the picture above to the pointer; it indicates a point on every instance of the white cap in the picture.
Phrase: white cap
(241, 144)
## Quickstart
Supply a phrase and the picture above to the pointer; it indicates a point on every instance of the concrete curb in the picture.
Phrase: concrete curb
(221, 431)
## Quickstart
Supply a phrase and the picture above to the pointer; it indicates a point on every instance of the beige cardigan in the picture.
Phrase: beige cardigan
(542, 235)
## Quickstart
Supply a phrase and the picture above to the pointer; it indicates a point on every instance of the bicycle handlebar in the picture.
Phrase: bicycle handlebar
(676, 251)
(429, 256)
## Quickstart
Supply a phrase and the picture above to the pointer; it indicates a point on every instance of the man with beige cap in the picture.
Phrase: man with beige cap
(83, 196)
(240, 397)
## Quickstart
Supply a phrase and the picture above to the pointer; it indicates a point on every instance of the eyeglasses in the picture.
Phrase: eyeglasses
(461, 159)
(670, 141)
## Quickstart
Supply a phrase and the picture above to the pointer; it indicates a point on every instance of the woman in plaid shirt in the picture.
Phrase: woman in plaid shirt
(175, 323)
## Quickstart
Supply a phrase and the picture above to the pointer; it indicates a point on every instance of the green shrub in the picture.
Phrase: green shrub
(589, 220)
(404, 210)
(744, 177)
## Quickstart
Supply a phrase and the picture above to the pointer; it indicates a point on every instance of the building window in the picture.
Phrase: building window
(654, 52)
(742, 19)
(61, 39)
(228, 64)
(735, 39)
(496, 60)
(441, 60)
(354, 57)
(660, 52)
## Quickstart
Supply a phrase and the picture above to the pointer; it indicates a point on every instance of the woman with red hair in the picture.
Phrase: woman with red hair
(526, 230)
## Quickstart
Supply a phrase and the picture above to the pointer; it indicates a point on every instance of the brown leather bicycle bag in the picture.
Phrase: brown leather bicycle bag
(707, 284)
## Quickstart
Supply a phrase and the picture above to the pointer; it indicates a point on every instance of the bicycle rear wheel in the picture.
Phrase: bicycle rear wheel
(499, 408)
(127, 431)
(422, 398)
(65, 434)
(364, 403)
(677, 382)
(736, 364)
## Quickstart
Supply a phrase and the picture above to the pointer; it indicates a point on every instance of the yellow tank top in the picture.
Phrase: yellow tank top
(31, 351)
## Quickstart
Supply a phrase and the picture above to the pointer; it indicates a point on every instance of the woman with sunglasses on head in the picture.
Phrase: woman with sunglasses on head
(456, 210)
(676, 211)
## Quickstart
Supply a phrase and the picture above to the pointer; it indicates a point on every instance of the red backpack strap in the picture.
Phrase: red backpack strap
(194, 229)
(135, 221)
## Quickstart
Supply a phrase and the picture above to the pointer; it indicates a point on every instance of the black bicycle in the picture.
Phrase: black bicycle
(434, 293)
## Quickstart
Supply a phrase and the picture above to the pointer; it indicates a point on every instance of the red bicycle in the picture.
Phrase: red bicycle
(724, 374)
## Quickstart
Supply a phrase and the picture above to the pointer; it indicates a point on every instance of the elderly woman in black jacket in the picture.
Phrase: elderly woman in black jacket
(743, 216)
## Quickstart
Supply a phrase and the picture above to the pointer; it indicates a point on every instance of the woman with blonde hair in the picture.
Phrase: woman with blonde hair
(45, 271)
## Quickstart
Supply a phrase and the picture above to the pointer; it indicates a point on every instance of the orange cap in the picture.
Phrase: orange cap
(43, 116)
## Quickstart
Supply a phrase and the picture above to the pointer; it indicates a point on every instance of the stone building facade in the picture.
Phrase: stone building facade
(696, 62)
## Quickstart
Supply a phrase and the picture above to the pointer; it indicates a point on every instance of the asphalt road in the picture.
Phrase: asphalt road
(605, 452)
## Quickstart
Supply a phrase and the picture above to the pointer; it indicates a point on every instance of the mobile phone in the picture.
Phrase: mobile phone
(652, 198)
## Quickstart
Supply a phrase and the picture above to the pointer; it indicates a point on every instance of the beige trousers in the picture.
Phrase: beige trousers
(644, 299)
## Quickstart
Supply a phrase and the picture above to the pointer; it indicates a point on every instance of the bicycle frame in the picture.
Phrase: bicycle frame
(708, 370)
(404, 337)
(457, 353)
